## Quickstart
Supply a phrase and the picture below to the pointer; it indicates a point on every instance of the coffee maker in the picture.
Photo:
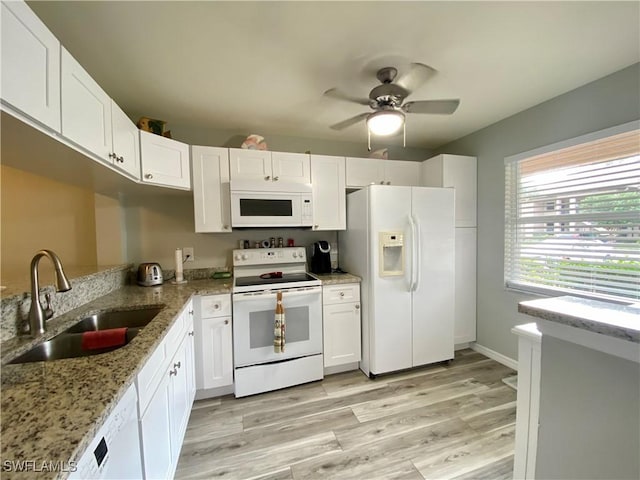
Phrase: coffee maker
(321, 259)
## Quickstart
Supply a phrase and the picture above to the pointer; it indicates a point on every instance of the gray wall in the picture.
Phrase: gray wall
(589, 417)
(610, 101)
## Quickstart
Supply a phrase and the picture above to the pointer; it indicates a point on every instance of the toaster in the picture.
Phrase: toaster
(149, 274)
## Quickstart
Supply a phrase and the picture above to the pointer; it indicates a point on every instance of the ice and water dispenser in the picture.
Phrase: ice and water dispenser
(391, 248)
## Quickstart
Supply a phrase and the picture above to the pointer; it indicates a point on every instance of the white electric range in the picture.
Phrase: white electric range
(258, 275)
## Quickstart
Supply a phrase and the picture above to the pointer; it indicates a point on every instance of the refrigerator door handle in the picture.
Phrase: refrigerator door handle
(416, 250)
(412, 224)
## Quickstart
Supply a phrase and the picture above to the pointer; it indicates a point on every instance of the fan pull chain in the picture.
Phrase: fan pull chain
(404, 134)
(368, 139)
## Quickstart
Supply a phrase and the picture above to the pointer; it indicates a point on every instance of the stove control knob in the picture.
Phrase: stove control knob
(294, 254)
(237, 256)
(245, 256)
(301, 253)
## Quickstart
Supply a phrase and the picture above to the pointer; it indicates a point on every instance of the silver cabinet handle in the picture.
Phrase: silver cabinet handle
(191, 334)
(120, 159)
(190, 312)
(357, 306)
(148, 175)
(382, 182)
(268, 177)
(225, 227)
(275, 179)
(173, 372)
(315, 227)
(226, 322)
(342, 294)
(113, 156)
(177, 365)
(388, 183)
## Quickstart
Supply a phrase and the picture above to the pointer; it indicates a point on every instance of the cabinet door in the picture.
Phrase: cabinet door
(290, 167)
(164, 161)
(180, 399)
(216, 353)
(250, 164)
(465, 286)
(341, 334)
(361, 172)
(398, 172)
(211, 196)
(126, 142)
(329, 195)
(155, 427)
(86, 109)
(460, 172)
(30, 64)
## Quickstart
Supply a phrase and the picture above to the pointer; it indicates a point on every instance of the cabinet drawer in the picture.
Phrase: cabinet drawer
(348, 292)
(215, 306)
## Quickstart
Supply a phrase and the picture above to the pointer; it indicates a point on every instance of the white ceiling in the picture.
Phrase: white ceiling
(262, 67)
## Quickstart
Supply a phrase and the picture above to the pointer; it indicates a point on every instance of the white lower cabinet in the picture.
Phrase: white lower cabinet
(341, 324)
(166, 392)
(528, 402)
(213, 342)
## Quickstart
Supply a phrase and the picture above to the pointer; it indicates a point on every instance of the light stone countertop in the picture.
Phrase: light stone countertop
(337, 278)
(52, 410)
(606, 318)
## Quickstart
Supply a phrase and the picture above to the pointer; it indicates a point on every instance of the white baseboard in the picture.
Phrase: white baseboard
(213, 392)
(340, 368)
(492, 354)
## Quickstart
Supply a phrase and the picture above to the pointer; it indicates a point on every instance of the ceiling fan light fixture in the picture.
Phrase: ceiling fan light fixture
(385, 122)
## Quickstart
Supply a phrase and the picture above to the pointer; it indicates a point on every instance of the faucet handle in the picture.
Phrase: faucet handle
(48, 310)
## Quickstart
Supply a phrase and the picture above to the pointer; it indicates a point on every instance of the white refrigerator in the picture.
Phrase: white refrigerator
(401, 242)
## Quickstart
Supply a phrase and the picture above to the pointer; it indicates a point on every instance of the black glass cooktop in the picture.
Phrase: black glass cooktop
(266, 280)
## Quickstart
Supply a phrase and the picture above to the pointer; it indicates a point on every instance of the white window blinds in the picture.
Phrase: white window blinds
(572, 218)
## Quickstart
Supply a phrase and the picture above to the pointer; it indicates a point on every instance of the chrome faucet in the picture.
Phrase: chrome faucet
(38, 315)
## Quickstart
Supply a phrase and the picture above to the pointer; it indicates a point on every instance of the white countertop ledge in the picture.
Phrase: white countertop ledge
(605, 318)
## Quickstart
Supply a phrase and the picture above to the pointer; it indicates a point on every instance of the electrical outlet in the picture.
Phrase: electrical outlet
(187, 252)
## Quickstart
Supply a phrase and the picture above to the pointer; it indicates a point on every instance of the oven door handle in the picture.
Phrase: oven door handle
(286, 293)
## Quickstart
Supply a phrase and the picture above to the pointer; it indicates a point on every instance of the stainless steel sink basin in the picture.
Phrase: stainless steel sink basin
(68, 344)
(137, 318)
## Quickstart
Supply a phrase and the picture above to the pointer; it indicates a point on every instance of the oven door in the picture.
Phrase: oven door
(253, 325)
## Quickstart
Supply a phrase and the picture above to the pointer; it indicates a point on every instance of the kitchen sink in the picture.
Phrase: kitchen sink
(68, 344)
(137, 318)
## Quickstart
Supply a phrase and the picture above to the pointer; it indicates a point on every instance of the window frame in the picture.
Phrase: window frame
(512, 202)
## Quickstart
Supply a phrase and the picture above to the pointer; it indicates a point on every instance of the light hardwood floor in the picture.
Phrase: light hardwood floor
(436, 422)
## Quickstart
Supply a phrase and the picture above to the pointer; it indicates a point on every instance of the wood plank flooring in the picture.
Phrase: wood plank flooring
(440, 421)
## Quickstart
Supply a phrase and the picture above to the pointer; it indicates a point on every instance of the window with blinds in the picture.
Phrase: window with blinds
(572, 217)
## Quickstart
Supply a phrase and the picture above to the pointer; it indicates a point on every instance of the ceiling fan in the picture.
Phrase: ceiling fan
(387, 101)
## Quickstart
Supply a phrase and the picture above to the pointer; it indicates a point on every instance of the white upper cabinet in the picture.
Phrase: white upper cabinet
(30, 65)
(86, 109)
(211, 205)
(125, 154)
(401, 172)
(164, 161)
(460, 173)
(291, 167)
(95, 122)
(370, 171)
(261, 165)
(328, 190)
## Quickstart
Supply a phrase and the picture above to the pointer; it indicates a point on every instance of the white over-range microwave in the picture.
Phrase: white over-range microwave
(270, 204)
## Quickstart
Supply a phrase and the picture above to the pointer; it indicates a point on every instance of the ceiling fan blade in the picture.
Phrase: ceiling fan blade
(335, 93)
(416, 76)
(349, 121)
(438, 107)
